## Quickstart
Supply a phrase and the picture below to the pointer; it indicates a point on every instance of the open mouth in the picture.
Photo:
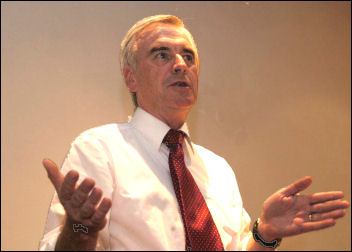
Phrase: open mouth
(180, 84)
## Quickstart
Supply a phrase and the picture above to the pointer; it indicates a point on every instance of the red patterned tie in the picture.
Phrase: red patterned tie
(201, 232)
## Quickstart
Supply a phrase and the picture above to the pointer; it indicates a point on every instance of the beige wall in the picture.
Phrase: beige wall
(274, 98)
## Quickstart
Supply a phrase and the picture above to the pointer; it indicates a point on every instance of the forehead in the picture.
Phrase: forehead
(164, 34)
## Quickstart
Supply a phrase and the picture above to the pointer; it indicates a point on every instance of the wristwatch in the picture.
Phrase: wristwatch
(272, 244)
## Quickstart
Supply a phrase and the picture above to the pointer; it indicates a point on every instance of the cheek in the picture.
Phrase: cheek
(151, 85)
(151, 80)
(143, 79)
(194, 77)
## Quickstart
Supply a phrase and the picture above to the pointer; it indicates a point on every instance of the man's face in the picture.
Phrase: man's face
(166, 75)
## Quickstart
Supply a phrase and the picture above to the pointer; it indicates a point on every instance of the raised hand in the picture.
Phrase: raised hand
(80, 206)
(287, 213)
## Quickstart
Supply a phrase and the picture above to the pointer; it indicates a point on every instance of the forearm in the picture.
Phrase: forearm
(74, 241)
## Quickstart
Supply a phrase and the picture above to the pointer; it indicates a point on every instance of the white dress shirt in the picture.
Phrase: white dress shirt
(129, 162)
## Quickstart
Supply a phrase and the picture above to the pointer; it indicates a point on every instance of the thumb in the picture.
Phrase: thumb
(54, 174)
(298, 186)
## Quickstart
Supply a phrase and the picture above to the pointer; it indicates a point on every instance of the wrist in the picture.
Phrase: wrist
(263, 231)
(262, 237)
(71, 240)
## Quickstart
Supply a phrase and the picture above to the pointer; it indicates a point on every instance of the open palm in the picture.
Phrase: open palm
(287, 213)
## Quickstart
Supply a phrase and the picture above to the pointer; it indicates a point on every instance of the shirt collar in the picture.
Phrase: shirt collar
(153, 128)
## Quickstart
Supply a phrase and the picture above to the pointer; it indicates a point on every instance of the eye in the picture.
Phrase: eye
(161, 55)
(188, 57)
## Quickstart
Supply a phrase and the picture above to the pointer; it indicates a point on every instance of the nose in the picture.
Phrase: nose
(180, 64)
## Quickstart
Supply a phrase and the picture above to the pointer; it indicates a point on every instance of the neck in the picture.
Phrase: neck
(174, 118)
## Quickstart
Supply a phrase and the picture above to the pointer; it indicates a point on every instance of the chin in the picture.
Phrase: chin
(185, 104)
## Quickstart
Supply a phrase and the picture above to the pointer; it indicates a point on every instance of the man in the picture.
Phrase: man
(150, 172)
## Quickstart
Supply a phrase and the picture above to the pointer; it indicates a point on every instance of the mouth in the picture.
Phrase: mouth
(183, 84)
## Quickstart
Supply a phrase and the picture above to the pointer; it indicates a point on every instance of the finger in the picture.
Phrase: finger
(330, 215)
(95, 196)
(81, 193)
(68, 186)
(329, 206)
(326, 196)
(89, 206)
(54, 174)
(99, 215)
(311, 226)
(297, 186)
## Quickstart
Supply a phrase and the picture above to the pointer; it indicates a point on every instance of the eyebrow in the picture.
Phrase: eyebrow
(164, 48)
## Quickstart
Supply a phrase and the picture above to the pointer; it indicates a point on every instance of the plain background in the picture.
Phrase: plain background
(274, 97)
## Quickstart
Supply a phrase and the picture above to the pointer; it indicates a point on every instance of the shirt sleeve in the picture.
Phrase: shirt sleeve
(240, 241)
(89, 157)
(240, 218)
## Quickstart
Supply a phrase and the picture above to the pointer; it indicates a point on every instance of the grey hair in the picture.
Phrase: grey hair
(128, 46)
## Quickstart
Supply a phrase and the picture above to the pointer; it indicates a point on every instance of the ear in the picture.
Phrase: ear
(130, 80)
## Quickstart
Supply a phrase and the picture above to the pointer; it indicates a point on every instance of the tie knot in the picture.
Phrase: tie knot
(173, 137)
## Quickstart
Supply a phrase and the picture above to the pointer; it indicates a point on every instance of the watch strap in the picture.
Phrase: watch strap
(268, 244)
